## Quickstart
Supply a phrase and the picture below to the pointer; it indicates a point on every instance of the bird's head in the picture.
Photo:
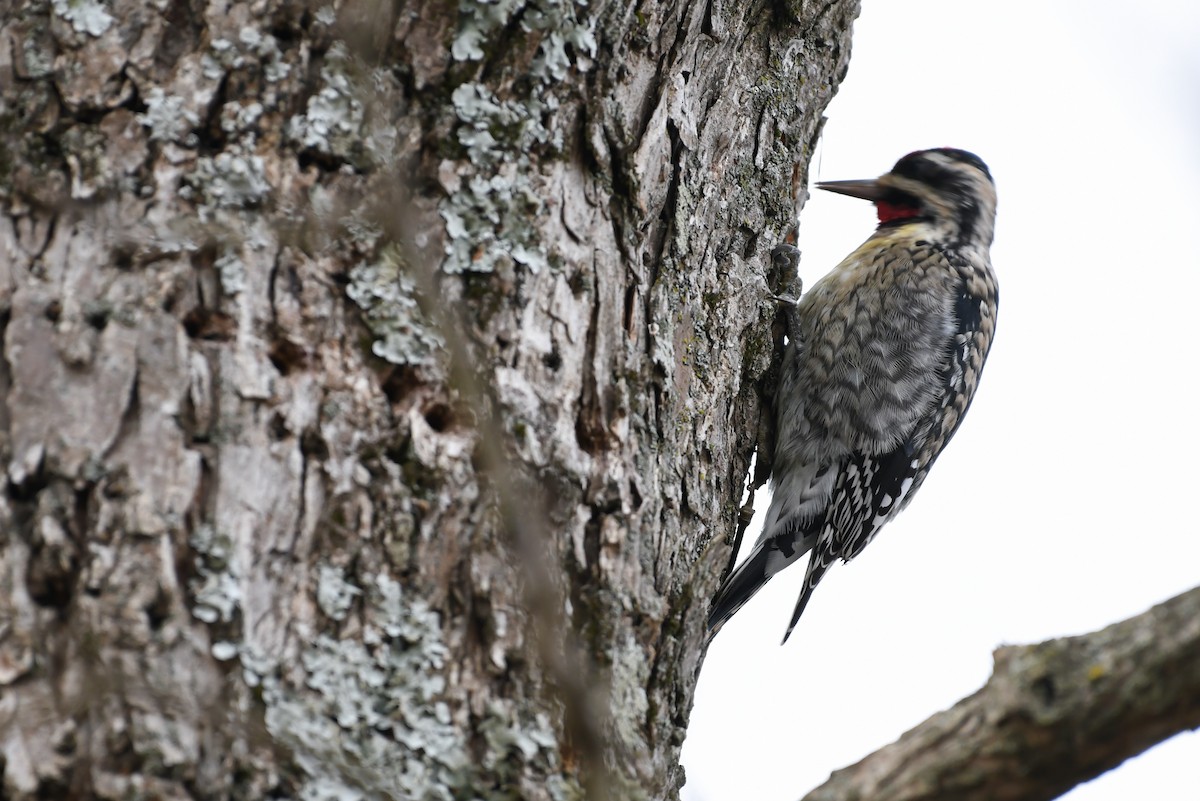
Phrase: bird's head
(948, 189)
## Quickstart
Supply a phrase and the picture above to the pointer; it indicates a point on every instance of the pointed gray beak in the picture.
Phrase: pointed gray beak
(868, 189)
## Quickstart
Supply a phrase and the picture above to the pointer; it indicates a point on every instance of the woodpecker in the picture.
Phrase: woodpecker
(884, 356)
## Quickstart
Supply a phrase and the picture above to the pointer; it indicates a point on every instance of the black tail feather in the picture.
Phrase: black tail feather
(747, 579)
(816, 571)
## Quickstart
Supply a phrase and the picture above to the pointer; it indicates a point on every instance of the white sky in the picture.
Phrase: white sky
(1067, 499)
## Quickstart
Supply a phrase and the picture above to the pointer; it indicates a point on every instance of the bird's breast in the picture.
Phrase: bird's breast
(874, 333)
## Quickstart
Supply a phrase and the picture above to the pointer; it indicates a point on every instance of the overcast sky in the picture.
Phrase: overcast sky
(1067, 499)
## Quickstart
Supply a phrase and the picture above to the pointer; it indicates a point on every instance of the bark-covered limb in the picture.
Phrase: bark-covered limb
(1053, 715)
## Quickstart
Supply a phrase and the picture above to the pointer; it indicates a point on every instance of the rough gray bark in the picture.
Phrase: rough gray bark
(379, 383)
(1052, 716)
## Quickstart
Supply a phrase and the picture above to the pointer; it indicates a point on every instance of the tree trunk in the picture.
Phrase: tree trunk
(379, 384)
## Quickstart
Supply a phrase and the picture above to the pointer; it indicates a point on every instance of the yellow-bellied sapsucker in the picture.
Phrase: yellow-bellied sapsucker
(885, 354)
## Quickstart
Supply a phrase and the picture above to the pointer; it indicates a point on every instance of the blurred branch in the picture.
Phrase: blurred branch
(559, 649)
(1052, 715)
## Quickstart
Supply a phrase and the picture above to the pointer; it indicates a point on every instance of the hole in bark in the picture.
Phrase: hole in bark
(158, 610)
(751, 246)
(397, 453)
(577, 283)
(313, 446)
(552, 360)
(591, 542)
(324, 162)
(81, 523)
(122, 256)
(204, 258)
(286, 355)
(50, 575)
(278, 427)
(439, 416)
(207, 324)
(97, 318)
(399, 383)
(29, 486)
(66, 744)
(115, 485)
(50, 787)
(288, 31)
(1044, 690)
(590, 431)
(53, 311)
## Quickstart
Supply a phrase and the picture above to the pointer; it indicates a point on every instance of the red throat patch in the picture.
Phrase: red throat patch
(888, 211)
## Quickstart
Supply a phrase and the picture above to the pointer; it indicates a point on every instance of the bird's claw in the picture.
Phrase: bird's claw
(785, 259)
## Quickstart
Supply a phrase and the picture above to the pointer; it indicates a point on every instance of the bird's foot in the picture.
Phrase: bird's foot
(785, 259)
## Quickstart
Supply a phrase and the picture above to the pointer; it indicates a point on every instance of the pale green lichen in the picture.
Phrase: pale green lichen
(366, 718)
(253, 48)
(514, 745)
(222, 56)
(234, 178)
(369, 722)
(85, 16)
(490, 215)
(231, 271)
(335, 122)
(387, 295)
(390, 603)
(216, 589)
(477, 21)
(167, 118)
(490, 218)
(38, 59)
(553, 61)
(630, 705)
(335, 595)
(224, 650)
(491, 211)
(237, 117)
(365, 233)
(334, 115)
(326, 15)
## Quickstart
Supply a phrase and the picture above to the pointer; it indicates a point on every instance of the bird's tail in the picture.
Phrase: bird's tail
(746, 579)
(770, 555)
(818, 563)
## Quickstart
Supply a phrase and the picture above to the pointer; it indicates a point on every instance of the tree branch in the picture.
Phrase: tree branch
(1052, 715)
